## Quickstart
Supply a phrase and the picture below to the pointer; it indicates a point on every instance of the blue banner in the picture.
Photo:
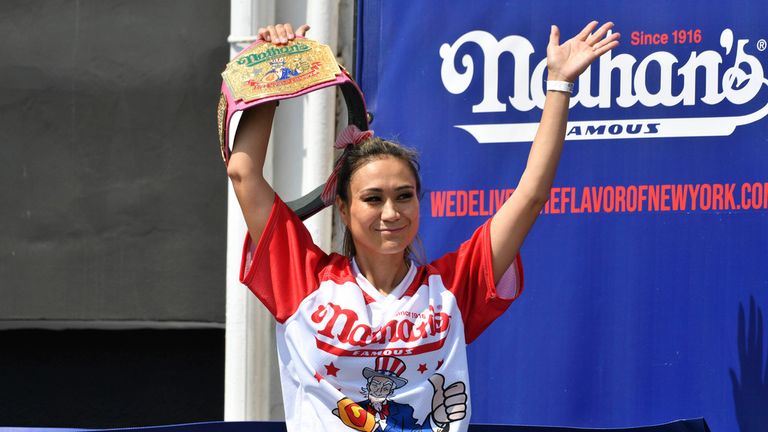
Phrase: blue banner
(647, 273)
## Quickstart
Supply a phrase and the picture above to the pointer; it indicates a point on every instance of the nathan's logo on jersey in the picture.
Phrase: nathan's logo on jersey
(727, 75)
(340, 332)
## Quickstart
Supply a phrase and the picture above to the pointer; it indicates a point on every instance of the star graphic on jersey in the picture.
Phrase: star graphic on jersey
(331, 369)
(318, 377)
(422, 367)
(439, 363)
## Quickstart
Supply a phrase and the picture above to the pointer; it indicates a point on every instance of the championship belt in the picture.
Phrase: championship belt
(264, 72)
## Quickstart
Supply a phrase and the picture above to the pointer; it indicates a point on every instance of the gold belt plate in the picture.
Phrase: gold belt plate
(267, 70)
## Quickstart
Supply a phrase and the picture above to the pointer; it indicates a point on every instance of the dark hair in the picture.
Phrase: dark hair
(355, 156)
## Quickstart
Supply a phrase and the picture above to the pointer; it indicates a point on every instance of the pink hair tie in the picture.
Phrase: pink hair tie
(351, 135)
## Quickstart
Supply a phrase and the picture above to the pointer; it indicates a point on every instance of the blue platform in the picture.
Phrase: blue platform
(692, 425)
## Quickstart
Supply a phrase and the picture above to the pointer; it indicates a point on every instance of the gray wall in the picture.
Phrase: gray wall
(113, 191)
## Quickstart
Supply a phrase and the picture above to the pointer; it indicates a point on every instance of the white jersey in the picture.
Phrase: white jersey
(352, 358)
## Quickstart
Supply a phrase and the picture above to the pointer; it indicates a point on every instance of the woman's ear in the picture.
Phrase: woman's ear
(343, 210)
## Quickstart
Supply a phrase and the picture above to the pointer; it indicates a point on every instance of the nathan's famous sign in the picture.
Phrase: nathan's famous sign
(729, 73)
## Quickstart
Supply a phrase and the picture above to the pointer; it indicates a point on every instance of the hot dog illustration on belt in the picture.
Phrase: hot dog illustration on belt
(379, 413)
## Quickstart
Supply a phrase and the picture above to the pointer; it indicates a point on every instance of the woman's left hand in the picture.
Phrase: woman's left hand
(567, 61)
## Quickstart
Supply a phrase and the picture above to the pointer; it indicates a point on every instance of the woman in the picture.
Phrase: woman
(372, 341)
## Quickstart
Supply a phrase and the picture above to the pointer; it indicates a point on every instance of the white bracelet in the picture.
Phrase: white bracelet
(561, 86)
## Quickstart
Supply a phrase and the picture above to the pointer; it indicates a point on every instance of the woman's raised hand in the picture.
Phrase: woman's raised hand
(280, 34)
(567, 61)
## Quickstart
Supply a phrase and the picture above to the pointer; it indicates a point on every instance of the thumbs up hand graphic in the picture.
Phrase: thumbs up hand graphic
(448, 403)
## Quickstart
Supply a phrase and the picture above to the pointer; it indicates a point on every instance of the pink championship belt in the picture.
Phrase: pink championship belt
(264, 72)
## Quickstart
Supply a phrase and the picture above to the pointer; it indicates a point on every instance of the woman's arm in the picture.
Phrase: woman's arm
(515, 218)
(246, 164)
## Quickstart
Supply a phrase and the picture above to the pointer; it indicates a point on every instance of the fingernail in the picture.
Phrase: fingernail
(290, 36)
(283, 40)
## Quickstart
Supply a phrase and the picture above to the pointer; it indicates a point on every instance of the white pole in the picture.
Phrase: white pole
(250, 345)
(320, 121)
(252, 388)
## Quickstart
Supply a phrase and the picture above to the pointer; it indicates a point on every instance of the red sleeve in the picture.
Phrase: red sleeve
(283, 268)
(468, 274)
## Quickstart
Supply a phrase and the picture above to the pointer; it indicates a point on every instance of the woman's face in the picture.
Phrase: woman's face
(382, 214)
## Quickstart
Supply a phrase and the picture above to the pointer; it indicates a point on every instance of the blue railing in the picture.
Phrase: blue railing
(692, 425)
